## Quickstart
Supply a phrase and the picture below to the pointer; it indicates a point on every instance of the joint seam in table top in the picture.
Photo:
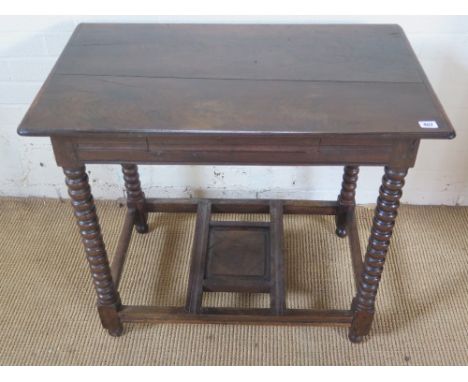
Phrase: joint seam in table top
(232, 78)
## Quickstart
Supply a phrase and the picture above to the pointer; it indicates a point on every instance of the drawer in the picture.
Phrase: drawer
(110, 144)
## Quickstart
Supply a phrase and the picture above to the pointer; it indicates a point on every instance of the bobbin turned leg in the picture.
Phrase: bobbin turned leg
(85, 212)
(135, 196)
(379, 240)
(346, 200)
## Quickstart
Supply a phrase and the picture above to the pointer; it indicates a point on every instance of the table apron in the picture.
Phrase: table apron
(72, 151)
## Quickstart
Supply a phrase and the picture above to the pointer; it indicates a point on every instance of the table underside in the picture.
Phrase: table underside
(236, 257)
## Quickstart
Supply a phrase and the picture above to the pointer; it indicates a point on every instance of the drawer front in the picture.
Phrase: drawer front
(109, 149)
(251, 150)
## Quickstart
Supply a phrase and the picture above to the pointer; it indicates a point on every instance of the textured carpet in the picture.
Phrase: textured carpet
(47, 302)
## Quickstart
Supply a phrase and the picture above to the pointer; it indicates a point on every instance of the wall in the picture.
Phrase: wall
(29, 47)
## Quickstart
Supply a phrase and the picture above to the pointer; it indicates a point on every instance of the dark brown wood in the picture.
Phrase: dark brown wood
(277, 294)
(309, 207)
(199, 250)
(347, 95)
(379, 240)
(261, 206)
(118, 260)
(236, 316)
(238, 257)
(238, 225)
(251, 149)
(231, 79)
(135, 196)
(235, 250)
(346, 200)
(316, 52)
(236, 284)
(90, 231)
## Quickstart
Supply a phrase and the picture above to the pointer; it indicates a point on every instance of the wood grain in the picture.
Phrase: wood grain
(235, 316)
(382, 228)
(256, 52)
(135, 196)
(229, 79)
(108, 299)
(199, 250)
(346, 200)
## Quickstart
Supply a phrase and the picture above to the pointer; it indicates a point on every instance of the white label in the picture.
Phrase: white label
(428, 124)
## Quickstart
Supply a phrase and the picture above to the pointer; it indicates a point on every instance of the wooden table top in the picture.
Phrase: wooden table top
(153, 79)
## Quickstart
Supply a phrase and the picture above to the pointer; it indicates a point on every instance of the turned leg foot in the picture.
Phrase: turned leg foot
(346, 200)
(341, 231)
(382, 228)
(90, 231)
(142, 227)
(135, 196)
(117, 332)
(353, 337)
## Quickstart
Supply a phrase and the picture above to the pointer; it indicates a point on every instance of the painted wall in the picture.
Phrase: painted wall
(29, 47)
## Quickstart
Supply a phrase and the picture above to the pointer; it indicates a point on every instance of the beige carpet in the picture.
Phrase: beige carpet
(47, 303)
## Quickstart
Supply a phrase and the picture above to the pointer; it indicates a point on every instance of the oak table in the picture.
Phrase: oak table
(272, 95)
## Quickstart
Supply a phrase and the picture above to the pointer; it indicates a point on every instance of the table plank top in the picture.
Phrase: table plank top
(153, 79)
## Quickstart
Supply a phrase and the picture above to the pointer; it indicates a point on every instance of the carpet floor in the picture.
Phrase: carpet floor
(47, 302)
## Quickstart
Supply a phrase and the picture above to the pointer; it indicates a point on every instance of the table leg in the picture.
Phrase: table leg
(346, 200)
(85, 212)
(135, 196)
(363, 305)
